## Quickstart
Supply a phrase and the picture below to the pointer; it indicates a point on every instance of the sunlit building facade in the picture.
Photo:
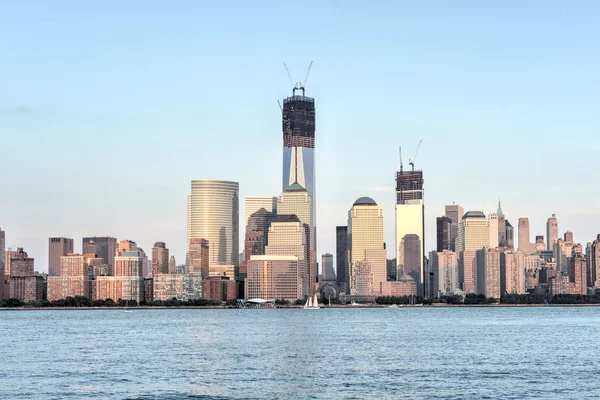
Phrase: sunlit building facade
(214, 216)
(473, 234)
(274, 277)
(366, 249)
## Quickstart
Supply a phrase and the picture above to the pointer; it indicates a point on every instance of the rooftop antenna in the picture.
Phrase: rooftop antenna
(411, 162)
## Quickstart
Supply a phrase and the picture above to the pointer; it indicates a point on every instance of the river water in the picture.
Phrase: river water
(404, 353)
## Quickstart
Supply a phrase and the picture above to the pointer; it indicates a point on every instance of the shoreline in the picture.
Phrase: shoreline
(336, 306)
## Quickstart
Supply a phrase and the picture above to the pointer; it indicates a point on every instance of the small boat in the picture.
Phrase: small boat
(311, 304)
(393, 306)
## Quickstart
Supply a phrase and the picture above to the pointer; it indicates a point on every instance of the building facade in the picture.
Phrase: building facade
(410, 223)
(512, 272)
(551, 232)
(341, 259)
(256, 203)
(444, 265)
(105, 248)
(160, 259)
(214, 216)
(73, 278)
(487, 265)
(328, 272)
(473, 235)
(274, 277)
(182, 287)
(57, 248)
(367, 255)
(455, 213)
(444, 233)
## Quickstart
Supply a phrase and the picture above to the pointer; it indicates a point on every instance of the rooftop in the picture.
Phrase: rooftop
(365, 201)
(295, 187)
(473, 214)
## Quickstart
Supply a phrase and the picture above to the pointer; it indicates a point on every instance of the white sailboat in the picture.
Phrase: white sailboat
(311, 304)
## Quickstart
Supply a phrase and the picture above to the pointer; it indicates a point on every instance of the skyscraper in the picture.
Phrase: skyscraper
(512, 272)
(493, 223)
(160, 259)
(569, 237)
(173, 265)
(410, 220)
(487, 262)
(594, 262)
(327, 267)
(501, 227)
(2, 252)
(288, 237)
(257, 229)
(524, 238)
(455, 213)
(57, 248)
(341, 258)
(106, 247)
(214, 216)
(295, 200)
(551, 232)
(510, 235)
(444, 233)
(366, 249)
(198, 255)
(445, 272)
(473, 234)
(298, 125)
(256, 203)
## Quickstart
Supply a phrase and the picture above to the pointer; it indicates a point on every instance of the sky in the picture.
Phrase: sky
(109, 109)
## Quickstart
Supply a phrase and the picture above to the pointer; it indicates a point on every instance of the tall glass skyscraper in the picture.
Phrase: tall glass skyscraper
(298, 122)
(213, 213)
(410, 225)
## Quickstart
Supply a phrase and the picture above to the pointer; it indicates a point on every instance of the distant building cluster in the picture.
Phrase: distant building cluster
(474, 252)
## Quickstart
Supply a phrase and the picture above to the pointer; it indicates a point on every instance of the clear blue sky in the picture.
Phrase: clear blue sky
(108, 109)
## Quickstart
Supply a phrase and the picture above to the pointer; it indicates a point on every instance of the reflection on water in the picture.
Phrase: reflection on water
(450, 353)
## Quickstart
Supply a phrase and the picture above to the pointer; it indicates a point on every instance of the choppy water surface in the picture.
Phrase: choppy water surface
(424, 353)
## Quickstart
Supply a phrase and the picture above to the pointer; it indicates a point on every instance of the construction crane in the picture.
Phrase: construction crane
(298, 85)
(411, 162)
(400, 151)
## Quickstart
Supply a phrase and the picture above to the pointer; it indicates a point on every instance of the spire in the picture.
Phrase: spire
(499, 212)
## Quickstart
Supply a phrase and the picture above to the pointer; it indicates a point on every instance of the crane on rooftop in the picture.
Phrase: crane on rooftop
(411, 161)
(298, 85)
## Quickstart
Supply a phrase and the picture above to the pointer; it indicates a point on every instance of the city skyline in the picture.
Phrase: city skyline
(504, 95)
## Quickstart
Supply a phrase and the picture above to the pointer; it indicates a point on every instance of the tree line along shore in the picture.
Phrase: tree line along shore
(468, 300)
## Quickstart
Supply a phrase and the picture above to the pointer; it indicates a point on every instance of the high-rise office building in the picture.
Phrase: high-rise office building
(105, 246)
(21, 264)
(510, 235)
(2, 253)
(512, 272)
(198, 256)
(57, 248)
(410, 222)
(72, 278)
(501, 227)
(257, 229)
(274, 277)
(327, 270)
(341, 259)
(256, 203)
(444, 265)
(173, 265)
(455, 213)
(160, 259)
(524, 238)
(539, 243)
(444, 233)
(487, 264)
(214, 216)
(493, 223)
(594, 263)
(473, 234)
(366, 248)
(551, 232)
(298, 125)
(298, 122)
(569, 237)
(288, 237)
(577, 274)
(296, 200)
